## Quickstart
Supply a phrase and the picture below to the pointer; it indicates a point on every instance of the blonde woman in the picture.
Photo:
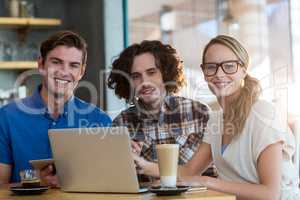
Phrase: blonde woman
(247, 142)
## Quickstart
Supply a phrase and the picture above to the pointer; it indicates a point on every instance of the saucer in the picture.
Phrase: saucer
(19, 190)
(166, 191)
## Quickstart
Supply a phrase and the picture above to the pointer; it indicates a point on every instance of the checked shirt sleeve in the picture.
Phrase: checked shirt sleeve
(192, 131)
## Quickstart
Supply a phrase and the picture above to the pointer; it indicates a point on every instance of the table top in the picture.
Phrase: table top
(56, 194)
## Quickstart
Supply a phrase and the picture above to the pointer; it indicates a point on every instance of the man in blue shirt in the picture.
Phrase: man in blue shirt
(24, 123)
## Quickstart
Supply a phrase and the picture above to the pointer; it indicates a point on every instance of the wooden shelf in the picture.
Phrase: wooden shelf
(11, 22)
(18, 65)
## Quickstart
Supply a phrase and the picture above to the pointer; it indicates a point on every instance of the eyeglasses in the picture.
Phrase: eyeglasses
(228, 67)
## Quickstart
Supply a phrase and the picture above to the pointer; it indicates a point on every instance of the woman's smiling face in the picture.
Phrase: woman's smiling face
(223, 84)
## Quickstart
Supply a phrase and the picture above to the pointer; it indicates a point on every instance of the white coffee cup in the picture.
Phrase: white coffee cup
(167, 155)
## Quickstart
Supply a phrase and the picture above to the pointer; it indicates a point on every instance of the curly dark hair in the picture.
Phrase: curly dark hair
(166, 59)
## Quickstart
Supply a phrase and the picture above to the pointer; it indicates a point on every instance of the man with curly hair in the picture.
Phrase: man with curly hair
(147, 75)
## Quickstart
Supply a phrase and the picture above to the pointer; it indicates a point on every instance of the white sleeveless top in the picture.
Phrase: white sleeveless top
(238, 163)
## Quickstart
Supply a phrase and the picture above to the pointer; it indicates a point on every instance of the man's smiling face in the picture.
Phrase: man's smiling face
(62, 69)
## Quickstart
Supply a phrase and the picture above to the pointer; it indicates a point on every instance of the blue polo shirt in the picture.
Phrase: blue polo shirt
(24, 128)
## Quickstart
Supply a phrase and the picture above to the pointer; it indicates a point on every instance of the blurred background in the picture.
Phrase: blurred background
(267, 28)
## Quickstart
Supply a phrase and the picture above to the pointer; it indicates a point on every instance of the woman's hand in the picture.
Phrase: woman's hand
(194, 181)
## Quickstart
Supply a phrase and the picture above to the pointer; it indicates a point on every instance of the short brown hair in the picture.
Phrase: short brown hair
(66, 38)
(166, 59)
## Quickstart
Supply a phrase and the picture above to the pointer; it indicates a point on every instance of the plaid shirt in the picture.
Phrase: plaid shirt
(181, 121)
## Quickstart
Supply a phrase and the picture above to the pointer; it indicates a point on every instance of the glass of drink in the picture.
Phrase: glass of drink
(30, 178)
(167, 155)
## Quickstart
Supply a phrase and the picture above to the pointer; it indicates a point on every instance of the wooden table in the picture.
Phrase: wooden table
(56, 194)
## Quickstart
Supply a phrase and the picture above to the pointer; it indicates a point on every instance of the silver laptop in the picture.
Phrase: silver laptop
(94, 160)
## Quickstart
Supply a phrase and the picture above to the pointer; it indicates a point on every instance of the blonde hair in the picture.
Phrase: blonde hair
(237, 111)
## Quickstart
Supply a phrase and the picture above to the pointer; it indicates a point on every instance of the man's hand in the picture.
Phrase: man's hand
(136, 147)
(145, 167)
(140, 163)
(5, 173)
(48, 177)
